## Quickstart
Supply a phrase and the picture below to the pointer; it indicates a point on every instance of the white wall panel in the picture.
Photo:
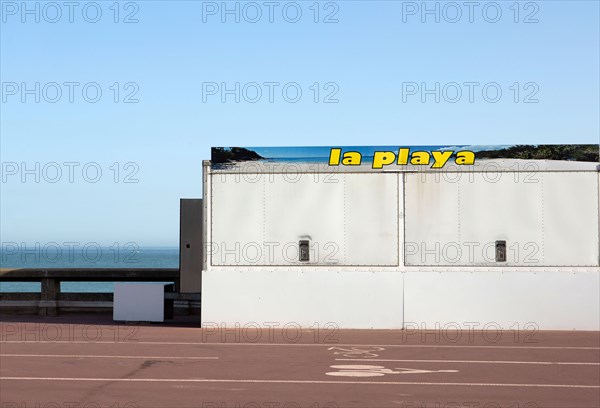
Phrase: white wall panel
(431, 218)
(237, 218)
(544, 217)
(549, 300)
(571, 219)
(502, 206)
(371, 219)
(349, 219)
(304, 206)
(348, 300)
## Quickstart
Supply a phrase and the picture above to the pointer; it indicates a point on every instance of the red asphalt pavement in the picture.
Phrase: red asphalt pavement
(90, 361)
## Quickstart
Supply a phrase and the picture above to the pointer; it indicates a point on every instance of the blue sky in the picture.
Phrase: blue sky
(176, 63)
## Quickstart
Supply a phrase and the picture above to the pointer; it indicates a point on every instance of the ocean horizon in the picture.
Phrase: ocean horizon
(90, 256)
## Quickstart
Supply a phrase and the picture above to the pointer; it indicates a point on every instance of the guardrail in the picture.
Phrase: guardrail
(50, 300)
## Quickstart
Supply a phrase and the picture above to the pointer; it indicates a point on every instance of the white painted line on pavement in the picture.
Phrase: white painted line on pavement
(99, 356)
(468, 361)
(209, 380)
(159, 343)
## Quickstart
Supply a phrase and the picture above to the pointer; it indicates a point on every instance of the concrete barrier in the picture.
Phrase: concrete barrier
(50, 301)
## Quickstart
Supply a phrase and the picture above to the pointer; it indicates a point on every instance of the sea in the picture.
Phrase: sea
(92, 256)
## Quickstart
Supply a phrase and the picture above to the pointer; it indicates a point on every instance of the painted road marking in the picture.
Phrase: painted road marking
(99, 356)
(158, 343)
(210, 380)
(377, 371)
(467, 361)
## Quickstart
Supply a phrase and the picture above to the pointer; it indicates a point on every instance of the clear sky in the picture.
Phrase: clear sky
(167, 73)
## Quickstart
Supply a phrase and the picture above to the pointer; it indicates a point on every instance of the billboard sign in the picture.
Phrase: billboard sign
(379, 158)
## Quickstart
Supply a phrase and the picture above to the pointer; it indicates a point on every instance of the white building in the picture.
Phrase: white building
(504, 243)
